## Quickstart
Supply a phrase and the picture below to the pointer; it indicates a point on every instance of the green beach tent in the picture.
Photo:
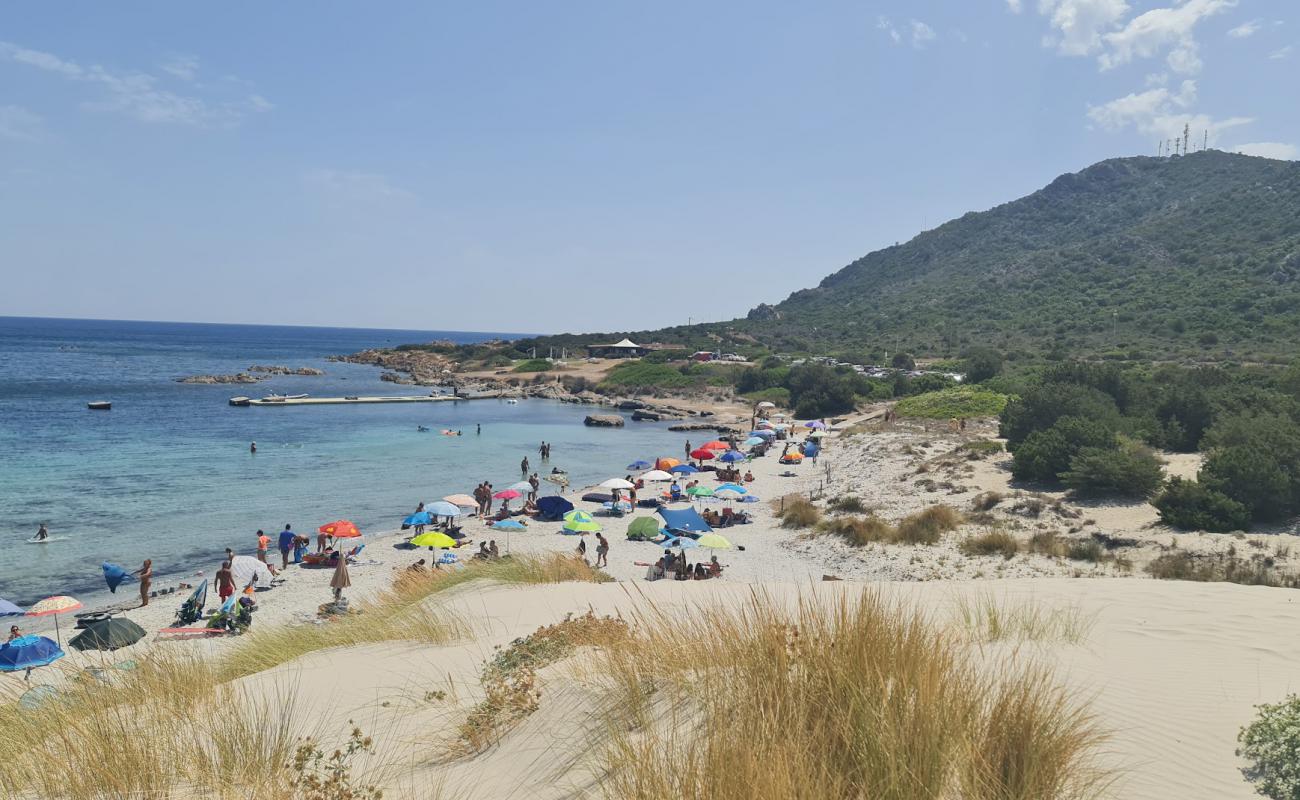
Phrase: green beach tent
(643, 529)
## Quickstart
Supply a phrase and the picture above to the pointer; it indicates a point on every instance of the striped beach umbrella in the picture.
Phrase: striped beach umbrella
(53, 606)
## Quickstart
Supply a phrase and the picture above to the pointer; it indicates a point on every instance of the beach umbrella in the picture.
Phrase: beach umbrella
(763, 424)
(816, 434)
(552, 508)
(656, 475)
(700, 491)
(509, 525)
(523, 487)
(793, 456)
(683, 469)
(781, 426)
(580, 522)
(340, 529)
(617, 483)
(731, 487)
(732, 456)
(433, 539)
(341, 579)
(461, 500)
(639, 465)
(246, 570)
(815, 425)
(713, 541)
(443, 509)
(8, 609)
(28, 652)
(666, 463)
(702, 454)
(753, 441)
(108, 634)
(506, 494)
(115, 576)
(53, 606)
(763, 433)
(767, 404)
(418, 518)
(643, 528)
(715, 445)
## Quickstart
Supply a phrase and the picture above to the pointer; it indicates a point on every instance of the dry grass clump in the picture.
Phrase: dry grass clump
(991, 542)
(848, 504)
(986, 619)
(855, 697)
(985, 501)
(926, 527)
(797, 511)
(1256, 571)
(1047, 543)
(860, 530)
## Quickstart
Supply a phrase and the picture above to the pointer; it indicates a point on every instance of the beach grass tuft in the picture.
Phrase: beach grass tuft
(989, 543)
(859, 531)
(929, 525)
(797, 511)
(984, 618)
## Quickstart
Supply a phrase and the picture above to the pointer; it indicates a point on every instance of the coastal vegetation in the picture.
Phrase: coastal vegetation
(1271, 743)
(962, 402)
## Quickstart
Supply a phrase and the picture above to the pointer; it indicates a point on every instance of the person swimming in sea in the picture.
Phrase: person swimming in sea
(421, 429)
(252, 448)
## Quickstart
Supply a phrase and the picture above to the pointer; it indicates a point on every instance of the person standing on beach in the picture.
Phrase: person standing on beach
(285, 543)
(146, 580)
(602, 551)
(536, 483)
(225, 579)
(582, 547)
(688, 449)
(523, 466)
(263, 542)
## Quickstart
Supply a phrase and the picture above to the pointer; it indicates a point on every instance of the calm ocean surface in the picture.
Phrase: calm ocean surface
(167, 474)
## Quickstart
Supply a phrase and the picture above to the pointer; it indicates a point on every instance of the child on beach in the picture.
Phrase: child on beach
(263, 542)
(582, 549)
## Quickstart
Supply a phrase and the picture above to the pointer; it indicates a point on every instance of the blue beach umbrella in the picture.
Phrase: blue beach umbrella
(640, 465)
(731, 487)
(28, 652)
(443, 509)
(732, 456)
(753, 441)
(8, 609)
(509, 525)
(683, 469)
(418, 518)
(115, 576)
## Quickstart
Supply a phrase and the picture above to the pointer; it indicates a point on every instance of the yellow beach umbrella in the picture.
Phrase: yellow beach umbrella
(434, 539)
(714, 541)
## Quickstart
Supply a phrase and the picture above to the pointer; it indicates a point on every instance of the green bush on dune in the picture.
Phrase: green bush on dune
(533, 365)
(962, 402)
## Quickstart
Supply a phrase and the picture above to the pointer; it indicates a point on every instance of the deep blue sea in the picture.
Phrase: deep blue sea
(167, 474)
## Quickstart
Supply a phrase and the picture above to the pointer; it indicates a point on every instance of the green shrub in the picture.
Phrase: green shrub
(819, 391)
(1084, 550)
(533, 365)
(1043, 404)
(1130, 470)
(1271, 743)
(989, 543)
(1252, 477)
(926, 527)
(777, 394)
(962, 402)
(1044, 455)
(1193, 506)
(980, 448)
(981, 363)
(643, 374)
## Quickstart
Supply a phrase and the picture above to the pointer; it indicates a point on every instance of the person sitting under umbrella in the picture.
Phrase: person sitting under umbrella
(14, 633)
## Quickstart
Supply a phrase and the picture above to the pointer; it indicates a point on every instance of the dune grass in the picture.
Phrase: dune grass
(859, 531)
(989, 543)
(797, 511)
(924, 527)
(984, 618)
(855, 697)
(928, 526)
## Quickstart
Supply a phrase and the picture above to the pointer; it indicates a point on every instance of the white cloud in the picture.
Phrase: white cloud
(19, 123)
(138, 95)
(1014, 6)
(883, 24)
(1246, 29)
(1079, 24)
(185, 68)
(1160, 112)
(1151, 33)
(922, 34)
(352, 185)
(1280, 53)
(1285, 152)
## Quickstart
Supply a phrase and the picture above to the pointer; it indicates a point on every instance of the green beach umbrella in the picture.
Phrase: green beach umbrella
(700, 491)
(643, 528)
(580, 522)
(108, 634)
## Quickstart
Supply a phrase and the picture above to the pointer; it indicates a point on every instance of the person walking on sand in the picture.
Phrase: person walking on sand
(582, 548)
(536, 483)
(285, 543)
(602, 551)
(225, 579)
(263, 542)
(145, 574)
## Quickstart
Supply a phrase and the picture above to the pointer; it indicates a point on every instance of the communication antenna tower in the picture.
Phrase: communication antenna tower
(1187, 132)
(1160, 149)
(1205, 141)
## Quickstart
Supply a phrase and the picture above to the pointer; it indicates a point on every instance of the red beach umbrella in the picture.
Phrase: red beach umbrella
(506, 494)
(340, 529)
(715, 445)
(703, 454)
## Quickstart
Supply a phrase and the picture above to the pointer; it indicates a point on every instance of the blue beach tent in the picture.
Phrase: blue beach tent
(684, 519)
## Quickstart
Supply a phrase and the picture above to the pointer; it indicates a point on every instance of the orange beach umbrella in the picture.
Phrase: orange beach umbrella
(340, 529)
(715, 445)
(666, 463)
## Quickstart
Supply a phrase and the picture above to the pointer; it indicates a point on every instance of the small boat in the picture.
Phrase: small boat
(99, 405)
(241, 401)
(512, 402)
(280, 398)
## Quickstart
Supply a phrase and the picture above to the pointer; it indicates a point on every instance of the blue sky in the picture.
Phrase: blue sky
(568, 166)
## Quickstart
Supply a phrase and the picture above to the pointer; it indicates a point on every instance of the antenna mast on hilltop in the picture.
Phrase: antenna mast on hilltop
(1187, 132)
(1205, 141)
(1160, 149)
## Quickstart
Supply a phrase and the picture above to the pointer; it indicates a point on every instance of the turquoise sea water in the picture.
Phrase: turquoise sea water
(167, 474)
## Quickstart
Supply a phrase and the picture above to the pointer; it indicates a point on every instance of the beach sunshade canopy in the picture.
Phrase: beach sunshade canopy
(643, 529)
(684, 519)
(763, 425)
(617, 483)
(681, 542)
(639, 465)
(666, 463)
(461, 500)
(732, 456)
(108, 634)
(8, 609)
(28, 652)
(702, 454)
(816, 434)
(781, 426)
(434, 539)
(767, 404)
(246, 570)
(339, 529)
(815, 425)
(715, 445)
(443, 509)
(59, 604)
(683, 469)
(700, 491)
(580, 522)
(553, 508)
(578, 516)
(523, 487)
(506, 494)
(656, 475)
(509, 525)
(713, 541)
(731, 487)
(418, 518)
(115, 576)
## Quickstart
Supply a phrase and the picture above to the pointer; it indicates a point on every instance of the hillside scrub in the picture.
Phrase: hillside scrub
(534, 365)
(860, 530)
(926, 527)
(962, 402)
(991, 542)
(1129, 470)
(1192, 506)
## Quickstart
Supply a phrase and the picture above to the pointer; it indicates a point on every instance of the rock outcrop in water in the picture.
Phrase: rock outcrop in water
(280, 370)
(603, 421)
(239, 377)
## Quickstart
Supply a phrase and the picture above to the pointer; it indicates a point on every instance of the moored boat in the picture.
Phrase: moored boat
(241, 401)
(99, 405)
(280, 398)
